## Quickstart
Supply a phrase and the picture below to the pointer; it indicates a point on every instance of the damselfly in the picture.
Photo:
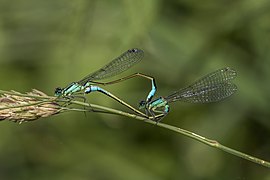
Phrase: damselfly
(213, 87)
(115, 67)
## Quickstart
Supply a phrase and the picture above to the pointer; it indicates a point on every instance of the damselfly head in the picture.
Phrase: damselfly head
(58, 91)
(142, 104)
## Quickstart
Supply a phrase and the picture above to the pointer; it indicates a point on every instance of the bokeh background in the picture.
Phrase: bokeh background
(45, 44)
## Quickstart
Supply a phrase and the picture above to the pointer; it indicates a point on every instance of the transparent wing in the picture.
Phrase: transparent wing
(116, 66)
(210, 88)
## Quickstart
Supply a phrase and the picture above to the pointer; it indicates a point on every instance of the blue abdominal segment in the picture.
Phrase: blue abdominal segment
(152, 92)
(93, 89)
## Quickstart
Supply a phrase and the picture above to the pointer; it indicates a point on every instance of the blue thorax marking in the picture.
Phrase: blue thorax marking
(160, 103)
(157, 102)
(72, 88)
(87, 84)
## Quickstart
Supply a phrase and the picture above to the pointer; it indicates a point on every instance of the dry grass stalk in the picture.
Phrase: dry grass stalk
(19, 108)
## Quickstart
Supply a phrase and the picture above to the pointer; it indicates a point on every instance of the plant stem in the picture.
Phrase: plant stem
(204, 140)
(97, 108)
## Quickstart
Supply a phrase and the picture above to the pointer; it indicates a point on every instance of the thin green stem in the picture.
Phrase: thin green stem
(204, 140)
(215, 144)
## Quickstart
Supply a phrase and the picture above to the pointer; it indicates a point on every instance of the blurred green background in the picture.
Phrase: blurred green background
(45, 44)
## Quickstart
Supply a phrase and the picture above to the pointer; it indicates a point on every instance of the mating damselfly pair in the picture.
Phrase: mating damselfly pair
(213, 87)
